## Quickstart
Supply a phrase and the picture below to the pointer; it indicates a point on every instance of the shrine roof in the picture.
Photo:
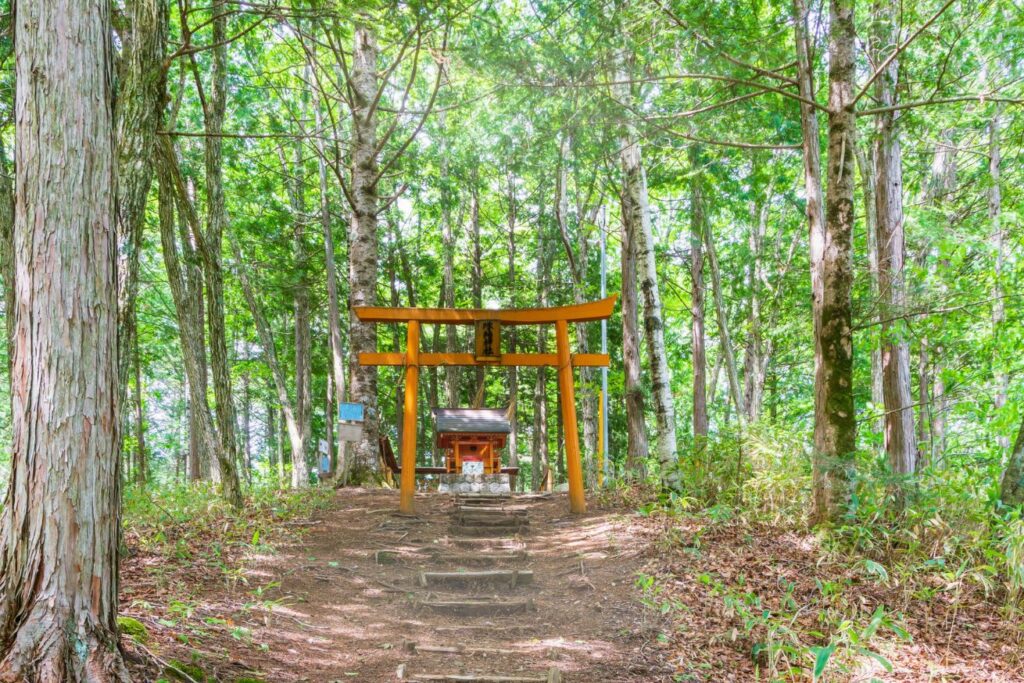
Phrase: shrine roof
(472, 420)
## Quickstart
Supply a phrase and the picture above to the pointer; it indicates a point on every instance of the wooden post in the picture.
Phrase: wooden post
(567, 391)
(600, 438)
(412, 381)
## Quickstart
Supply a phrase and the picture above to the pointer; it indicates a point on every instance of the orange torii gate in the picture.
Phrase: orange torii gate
(488, 353)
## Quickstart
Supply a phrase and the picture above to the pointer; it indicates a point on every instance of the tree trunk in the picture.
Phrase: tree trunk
(1011, 489)
(363, 240)
(272, 441)
(61, 515)
(867, 185)
(722, 316)
(636, 429)
(213, 113)
(333, 296)
(698, 352)
(577, 273)
(247, 427)
(141, 469)
(203, 434)
(288, 410)
(303, 343)
(477, 278)
(830, 247)
(513, 374)
(451, 372)
(835, 427)
(640, 240)
(999, 238)
(900, 437)
(755, 360)
(225, 458)
(7, 255)
(141, 94)
(540, 395)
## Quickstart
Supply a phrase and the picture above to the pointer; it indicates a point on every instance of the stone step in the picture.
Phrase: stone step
(505, 577)
(481, 530)
(549, 676)
(485, 544)
(491, 510)
(478, 607)
(482, 498)
(489, 519)
(483, 558)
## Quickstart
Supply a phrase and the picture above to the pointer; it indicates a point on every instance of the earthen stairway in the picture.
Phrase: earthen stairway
(482, 579)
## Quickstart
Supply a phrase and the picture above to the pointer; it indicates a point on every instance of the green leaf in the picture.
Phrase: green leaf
(822, 655)
(875, 569)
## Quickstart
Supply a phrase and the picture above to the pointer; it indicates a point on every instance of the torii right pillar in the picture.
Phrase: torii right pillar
(567, 391)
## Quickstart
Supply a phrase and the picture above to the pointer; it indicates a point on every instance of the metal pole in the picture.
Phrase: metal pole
(604, 341)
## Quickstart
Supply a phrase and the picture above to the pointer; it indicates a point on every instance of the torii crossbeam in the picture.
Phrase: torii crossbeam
(488, 353)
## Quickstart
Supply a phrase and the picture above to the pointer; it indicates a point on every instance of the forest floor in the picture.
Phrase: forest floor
(614, 596)
(342, 600)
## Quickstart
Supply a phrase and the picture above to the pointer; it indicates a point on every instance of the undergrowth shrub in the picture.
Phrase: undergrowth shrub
(945, 520)
(181, 520)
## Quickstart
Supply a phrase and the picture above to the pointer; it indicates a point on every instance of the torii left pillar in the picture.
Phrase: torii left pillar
(412, 382)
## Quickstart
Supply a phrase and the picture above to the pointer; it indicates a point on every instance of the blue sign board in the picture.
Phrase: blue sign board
(350, 412)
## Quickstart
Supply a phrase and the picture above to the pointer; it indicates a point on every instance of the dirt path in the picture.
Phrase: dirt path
(348, 603)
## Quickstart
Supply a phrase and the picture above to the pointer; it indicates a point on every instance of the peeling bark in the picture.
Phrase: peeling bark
(61, 515)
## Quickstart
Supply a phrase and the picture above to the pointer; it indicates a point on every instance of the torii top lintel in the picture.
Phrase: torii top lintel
(577, 313)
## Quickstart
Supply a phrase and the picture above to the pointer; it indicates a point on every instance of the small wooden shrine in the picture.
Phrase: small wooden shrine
(472, 438)
(488, 324)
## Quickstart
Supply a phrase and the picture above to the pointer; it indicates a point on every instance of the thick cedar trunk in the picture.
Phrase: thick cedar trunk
(697, 338)
(900, 437)
(637, 227)
(363, 240)
(141, 91)
(835, 427)
(300, 305)
(61, 515)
